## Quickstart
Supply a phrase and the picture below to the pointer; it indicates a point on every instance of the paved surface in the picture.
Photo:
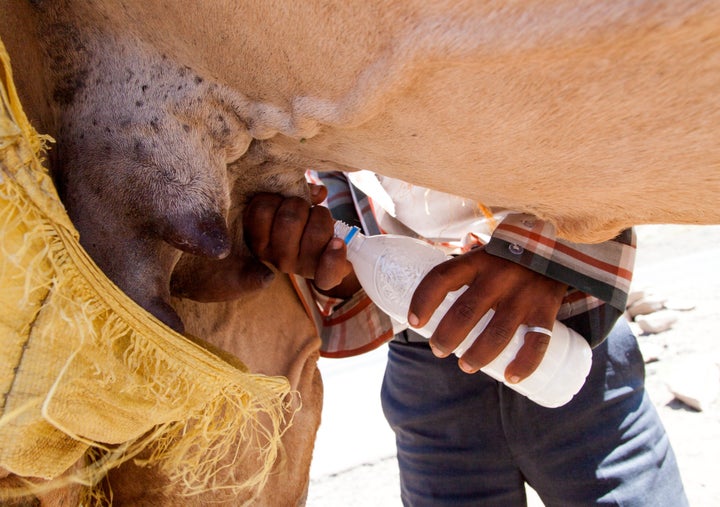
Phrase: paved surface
(354, 463)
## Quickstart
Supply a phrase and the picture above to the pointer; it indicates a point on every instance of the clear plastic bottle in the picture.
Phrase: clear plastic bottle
(390, 267)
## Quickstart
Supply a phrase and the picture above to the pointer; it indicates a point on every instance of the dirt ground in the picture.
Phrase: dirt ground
(683, 264)
(677, 263)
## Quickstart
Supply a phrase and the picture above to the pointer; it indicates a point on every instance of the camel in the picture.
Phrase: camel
(591, 117)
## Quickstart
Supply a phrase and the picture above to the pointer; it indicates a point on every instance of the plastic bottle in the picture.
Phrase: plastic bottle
(390, 267)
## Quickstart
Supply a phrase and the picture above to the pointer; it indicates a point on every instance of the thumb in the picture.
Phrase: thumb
(318, 193)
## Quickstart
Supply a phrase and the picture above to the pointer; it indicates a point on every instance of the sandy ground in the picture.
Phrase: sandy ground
(354, 463)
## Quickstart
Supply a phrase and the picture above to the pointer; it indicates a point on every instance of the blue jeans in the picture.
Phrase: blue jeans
(467, 440)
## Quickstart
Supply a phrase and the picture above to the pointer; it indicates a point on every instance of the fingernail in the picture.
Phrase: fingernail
(514, 379)
(314, 190)
(336, 244)
(465, 367)
(413, 320)
(436, 351)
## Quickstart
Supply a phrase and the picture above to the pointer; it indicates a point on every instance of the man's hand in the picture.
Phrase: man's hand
(297, 237)
(517, 294)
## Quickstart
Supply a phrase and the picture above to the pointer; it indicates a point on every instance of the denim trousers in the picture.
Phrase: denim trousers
(468, 440)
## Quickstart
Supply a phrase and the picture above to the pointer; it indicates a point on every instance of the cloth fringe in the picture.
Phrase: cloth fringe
(89, 380)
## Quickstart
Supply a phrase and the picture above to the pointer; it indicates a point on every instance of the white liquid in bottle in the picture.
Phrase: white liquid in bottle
(390, 267)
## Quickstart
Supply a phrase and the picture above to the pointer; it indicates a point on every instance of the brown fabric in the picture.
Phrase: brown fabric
(85, 374)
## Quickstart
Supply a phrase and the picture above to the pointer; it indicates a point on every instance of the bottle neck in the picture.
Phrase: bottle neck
(352, 237)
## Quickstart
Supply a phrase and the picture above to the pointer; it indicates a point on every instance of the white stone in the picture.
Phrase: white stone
(651, 352)
(646, 305)
(634, 296)
(636, 329)
(656, 322)
(695, 381)
(679, 305)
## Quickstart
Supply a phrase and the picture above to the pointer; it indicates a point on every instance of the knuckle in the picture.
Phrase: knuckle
(320, 225)
(464, 312)
(541, 344)
(262, 204)
(292, 211)
(498, 333)
(439, 272)
(322, 213)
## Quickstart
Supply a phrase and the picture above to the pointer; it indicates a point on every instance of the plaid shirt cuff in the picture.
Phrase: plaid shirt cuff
(350, 327)
(599, 275)
(602, 270)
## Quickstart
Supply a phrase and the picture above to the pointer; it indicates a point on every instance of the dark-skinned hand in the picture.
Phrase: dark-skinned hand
(297, 237)
(517, 294)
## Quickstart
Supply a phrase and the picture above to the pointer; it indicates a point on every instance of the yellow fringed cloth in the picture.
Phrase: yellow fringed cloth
(86, 374)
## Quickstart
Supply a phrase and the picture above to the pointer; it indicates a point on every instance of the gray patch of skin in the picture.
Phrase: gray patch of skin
(141, 164)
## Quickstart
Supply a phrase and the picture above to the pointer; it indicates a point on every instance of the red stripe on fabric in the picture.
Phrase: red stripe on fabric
(299, 293)
(312, 178)
(384, 338)
(370, 206)
(360, 306)
(328, 307)
(586, 259)
(340, 196)
(475, 241)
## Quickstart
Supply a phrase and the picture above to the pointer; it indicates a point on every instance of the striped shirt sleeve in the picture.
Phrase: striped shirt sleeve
(346, 327)
(599, 274)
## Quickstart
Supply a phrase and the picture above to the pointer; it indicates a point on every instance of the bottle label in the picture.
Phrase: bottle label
(396, 279)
